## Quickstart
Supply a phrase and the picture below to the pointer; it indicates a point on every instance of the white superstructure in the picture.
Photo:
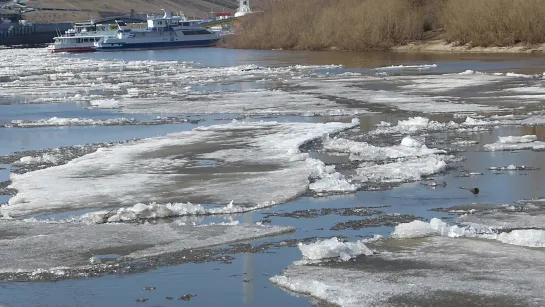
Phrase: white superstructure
(83, 36)
(167, 31)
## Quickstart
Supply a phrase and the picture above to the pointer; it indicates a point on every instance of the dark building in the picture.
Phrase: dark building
(16, 31)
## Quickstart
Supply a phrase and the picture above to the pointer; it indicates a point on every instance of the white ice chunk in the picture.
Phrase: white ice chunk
(524, 237)
(414, 229)
(517, 139)
(525, 142)
(45, 158)
(154, 210)
(329, 180)
(333, 247)
(436, 227)
(415, 125)
(410, 67)
(104, 104)
(410, 169)
(409, 147)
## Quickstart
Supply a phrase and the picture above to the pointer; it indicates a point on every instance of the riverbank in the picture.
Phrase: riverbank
(441, 45)
(435, 45)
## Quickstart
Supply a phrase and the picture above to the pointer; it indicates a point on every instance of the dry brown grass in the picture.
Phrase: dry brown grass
(320, 24)
(494, 22)
(381, 24)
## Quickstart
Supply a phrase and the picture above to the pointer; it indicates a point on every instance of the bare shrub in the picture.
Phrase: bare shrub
(381, 24)
(321, 24)
(494, 22)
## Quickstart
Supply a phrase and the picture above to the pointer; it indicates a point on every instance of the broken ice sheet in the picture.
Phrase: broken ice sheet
(256, 163)
(30, 246)
(525, 142)
(436, 271)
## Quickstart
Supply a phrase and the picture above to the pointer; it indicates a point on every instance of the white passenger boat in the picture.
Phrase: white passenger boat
(84, 35)
(167, 31)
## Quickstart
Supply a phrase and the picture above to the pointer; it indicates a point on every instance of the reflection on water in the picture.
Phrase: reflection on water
(217, 57)
(248, 272)
(538, 131)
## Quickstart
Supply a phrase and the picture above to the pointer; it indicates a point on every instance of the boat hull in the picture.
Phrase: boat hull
(73, 49)
(157, 45)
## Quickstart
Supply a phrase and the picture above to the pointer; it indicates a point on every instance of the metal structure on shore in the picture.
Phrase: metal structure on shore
(16, 31)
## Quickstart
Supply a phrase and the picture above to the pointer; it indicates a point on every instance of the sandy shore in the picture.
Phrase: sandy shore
(441, 45)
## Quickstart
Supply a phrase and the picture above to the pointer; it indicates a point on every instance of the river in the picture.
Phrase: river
(234, 168)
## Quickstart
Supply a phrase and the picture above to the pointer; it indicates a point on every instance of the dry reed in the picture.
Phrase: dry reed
(381, 24)
(494, 22)
(321, 24)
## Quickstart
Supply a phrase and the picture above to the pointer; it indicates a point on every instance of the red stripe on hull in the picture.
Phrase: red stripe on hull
(75, 49)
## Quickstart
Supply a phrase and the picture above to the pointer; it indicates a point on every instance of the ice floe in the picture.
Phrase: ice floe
(158, 211)
(402, 271)
(410, 67)
(464, 142)
(351, 89)
(512, 168)
(407, 169)
(327, 179)
(162, 86)
(524, 142)
(409, 161)
(187, 87)
(524, 237)
(423, 271)
(255, 163)
(448, 82)
(104, 104)
(43, 246)
(419, 229)
(271, 102)
(362, 151)
(59, 121)
(416, 125)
